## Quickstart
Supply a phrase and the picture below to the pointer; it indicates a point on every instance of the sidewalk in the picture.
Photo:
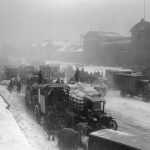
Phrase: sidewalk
(11, 137)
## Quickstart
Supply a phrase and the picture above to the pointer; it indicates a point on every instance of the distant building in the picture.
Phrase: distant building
(105, 48)
(112, 49)
(140, 35)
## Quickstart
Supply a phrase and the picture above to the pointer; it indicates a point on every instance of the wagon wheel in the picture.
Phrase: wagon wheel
(37, 113)
(113, 125)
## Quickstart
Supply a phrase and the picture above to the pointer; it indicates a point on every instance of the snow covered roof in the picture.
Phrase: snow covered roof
(59, 46)
(123, 138)
(59, 43)
(44, 43)
(102, 34)
(70, 48)
(11, 136)
(54, 43)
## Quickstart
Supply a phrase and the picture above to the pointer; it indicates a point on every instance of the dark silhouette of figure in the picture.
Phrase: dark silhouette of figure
(18, 86)
(58, 80)
(77, 75)
(10, 86)
(40, 77)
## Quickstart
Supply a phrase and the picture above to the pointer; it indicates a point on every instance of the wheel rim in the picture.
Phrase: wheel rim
(113, 125)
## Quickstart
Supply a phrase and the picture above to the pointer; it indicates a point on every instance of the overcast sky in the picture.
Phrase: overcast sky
(31, 21)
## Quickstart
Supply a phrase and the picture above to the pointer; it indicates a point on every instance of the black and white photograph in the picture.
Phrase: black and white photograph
(74, 74)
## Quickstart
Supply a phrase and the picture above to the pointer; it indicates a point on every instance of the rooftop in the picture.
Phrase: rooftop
(123, 138)
(142, 25)
(102, 34)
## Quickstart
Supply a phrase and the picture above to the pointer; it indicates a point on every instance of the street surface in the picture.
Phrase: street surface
(123, 109)
(34, 133)
(132, 114)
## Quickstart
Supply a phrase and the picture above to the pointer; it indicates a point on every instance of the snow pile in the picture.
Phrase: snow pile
(80, 90)
(2, 103)
(59, 43)
(111, 134)
(120, 133)
(103, 89)
(77, 94)
(11, 138)
(4, 82)
(25, 118)
(96, 133)
(68, 47)
(44, 43)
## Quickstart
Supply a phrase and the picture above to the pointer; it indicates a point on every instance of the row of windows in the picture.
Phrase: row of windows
(116, 42)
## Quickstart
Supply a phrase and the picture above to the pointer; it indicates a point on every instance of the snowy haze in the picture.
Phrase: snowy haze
(31, 21)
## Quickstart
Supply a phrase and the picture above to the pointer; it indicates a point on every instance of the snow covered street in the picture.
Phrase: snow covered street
(132, 116)
(11, 137)
(34, 133)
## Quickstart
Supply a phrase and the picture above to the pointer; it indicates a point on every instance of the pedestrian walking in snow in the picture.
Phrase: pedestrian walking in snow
(40, 77)
(10, 86)
(18, 86)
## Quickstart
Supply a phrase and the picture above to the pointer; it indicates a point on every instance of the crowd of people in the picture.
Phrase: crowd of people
(15, 81)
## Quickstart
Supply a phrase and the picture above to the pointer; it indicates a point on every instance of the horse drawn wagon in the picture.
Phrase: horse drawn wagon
(49, 102)
(55, 108)
(133, 85)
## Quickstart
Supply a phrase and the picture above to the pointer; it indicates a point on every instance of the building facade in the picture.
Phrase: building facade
(112, 49)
